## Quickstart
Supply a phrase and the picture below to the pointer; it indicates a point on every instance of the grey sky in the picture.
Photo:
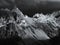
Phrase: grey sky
(24, 2)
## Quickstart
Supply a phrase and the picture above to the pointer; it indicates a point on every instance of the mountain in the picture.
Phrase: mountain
(14, 25)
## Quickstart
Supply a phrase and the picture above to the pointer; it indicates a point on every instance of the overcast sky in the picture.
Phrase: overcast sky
(24, 2)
